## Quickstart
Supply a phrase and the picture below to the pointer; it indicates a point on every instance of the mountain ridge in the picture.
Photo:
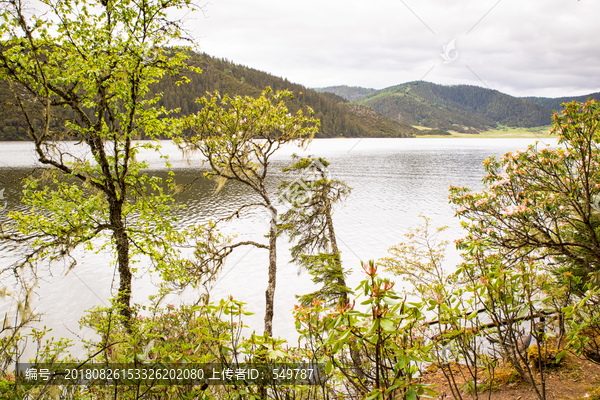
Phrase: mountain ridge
(554, 103)
(461, 108)
(337, 120)
(403, 110)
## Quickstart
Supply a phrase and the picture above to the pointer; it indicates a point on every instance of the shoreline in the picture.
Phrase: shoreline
(541, 132)
(512, 133)
(487, 136)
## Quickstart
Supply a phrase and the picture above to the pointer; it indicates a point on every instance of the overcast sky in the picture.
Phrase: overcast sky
(520, 47)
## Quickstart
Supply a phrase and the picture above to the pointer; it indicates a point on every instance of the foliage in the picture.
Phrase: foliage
(378, 125)
(188, 334)
(336, 117)
(457, 107)
(583, 318)
(95, 61)
(454, 330)
(326, 271)
(14, 336)
(536, 216)
(441, 132)
(555, 104)
(373, 354)
(197, 334)
(238, 136)
(47, 351)
(238, 80)
(413, 111)
(420, 260)
(350, 93)
(13, 324)
(486, 300)
(511, 299)
(311, 197)
(540, 202)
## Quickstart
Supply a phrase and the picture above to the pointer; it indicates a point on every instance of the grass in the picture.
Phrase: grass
(501, 132)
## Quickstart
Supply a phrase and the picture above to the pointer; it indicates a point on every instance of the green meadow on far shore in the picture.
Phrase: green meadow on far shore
(500, 132)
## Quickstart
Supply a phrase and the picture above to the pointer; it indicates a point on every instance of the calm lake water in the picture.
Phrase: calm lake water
(393, 182)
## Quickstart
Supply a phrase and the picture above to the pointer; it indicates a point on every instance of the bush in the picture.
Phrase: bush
(373, 353)
(546, 356)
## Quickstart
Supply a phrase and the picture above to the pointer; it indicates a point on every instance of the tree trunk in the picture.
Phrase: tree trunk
(270, 292)
(334, 248)
(355, 355)
(125, 276)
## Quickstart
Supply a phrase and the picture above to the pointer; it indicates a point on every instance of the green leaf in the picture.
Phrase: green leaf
(390, 301)
(374, 395)
(328, 367)
(401, 361)
(524, 311)
(472, 315)
(387, 325)
(345, 336)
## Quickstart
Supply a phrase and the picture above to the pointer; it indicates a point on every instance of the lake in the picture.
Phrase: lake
(393, 182)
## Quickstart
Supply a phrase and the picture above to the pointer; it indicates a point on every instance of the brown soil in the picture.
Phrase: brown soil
(574, 378)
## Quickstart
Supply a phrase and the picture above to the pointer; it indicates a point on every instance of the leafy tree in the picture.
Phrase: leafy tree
(583, 320)
(169, 336)
(538, 213)
(238, 136)
(312, 196)
(419, 261)
(455, 328)
(543, 202)
(93, 62)
(512, 301)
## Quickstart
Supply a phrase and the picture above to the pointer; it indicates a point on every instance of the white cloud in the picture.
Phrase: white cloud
(545, 48)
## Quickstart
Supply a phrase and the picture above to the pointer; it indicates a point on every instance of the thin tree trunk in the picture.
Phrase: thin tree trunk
(355, 355)
(125, 276)
(270, 292)
(334, 248)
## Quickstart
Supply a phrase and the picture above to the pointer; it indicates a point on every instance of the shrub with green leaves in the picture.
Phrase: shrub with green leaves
(372, 354)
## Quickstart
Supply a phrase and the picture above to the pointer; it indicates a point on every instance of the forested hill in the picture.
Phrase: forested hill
(227, 77)
(461, 108)
(350, 93)
(337, 118)
(555, 103)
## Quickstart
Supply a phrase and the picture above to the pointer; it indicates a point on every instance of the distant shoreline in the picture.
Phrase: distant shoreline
(453, 135)
(504, 132)
(501, 132)
(489, 136)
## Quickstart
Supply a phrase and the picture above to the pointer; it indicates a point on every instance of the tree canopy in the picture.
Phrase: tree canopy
(82, 70)
(542, 203)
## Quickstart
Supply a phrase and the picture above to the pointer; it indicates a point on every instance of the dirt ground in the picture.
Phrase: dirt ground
(574, 378)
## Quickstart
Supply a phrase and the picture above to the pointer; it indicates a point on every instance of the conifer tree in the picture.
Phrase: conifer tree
(312, 196)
